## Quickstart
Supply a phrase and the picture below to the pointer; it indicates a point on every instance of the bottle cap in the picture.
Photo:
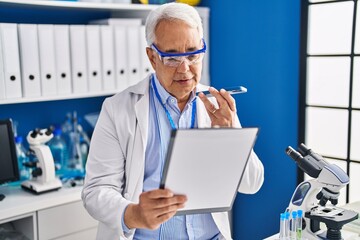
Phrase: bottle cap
(294, 214)
(287, 215)
(282, 216)
(57, 132)
(300, 213)
(18, 139)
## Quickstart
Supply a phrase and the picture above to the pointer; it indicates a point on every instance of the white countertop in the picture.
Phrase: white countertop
(19, 202)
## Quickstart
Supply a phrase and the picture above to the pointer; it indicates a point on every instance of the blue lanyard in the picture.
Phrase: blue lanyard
(193, 112)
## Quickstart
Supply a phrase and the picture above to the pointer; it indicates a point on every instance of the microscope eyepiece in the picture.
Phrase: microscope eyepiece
(49, 130)
(304, 150)
(35, 132)
(305, 162)
(293, 154)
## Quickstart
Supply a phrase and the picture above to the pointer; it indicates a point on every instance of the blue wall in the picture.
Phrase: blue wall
(256, 44)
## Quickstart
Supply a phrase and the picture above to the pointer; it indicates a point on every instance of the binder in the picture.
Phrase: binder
(133, 44)
(10, 77)
(127, 49)
(108, 57)
(118, 21)
(62, 59)
(2, 77)
(93, 58)
(121, 53)
(29, 59)
(78, 59)
(47, 59)
(145, 64)
(2, 73)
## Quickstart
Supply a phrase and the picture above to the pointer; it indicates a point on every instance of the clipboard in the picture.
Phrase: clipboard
(207, 166)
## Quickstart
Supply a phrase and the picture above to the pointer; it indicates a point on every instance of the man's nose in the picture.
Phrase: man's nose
(183, 67)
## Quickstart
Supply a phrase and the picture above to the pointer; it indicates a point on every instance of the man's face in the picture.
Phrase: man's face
(176, 37)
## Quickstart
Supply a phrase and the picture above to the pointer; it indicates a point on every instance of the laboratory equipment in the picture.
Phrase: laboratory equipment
(311, 197)
(299, 224)
(59, 150)
(287, 225)
(8, 161)
(44, 178)
(293, 225)
(23, 159)
(282, 234)
(75, 161)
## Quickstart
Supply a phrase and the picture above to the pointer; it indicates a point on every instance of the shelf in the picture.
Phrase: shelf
(55, 98)
(203, 11)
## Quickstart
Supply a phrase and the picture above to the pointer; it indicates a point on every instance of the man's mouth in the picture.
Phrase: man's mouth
(183, 80)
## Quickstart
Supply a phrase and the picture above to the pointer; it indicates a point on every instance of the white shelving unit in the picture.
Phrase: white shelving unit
(113, 10)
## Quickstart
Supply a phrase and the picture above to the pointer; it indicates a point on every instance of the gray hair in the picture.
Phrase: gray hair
(172, 11)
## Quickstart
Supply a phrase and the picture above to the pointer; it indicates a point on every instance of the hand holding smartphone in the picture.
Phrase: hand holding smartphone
(231, 90)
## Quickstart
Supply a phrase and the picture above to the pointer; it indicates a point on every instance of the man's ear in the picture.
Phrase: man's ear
(151, 57)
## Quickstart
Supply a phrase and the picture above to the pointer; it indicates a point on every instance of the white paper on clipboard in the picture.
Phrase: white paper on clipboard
(207, 166)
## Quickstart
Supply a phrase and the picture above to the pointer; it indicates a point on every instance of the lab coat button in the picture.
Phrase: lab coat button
(127, 196)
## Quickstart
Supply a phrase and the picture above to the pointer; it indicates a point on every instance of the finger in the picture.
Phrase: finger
(164, 217)
(158, 193)
(230, 100)
(219, 98)
(169, 202)
(210, 107)
(167, 213)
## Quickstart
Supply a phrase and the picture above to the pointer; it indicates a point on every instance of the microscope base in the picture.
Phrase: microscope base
(38, 188)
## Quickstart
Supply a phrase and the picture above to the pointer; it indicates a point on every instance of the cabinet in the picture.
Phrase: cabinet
(55, 215)
(65, 12)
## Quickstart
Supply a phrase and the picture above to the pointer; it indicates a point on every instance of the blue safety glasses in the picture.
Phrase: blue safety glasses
(175, 59)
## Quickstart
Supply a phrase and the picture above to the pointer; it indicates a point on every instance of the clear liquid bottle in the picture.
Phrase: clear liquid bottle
(282, 233)
(67, 128)
(299, 225)
(75, 162)
(293, 225)
(24, 172)
(59, 150)
(287, 225)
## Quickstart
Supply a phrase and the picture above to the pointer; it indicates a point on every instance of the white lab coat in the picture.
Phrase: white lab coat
(115, 166)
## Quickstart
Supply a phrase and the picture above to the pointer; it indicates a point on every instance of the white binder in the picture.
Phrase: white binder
(78, 59)
(2, 74)
(10, 77)
(108, 57)
(62, 59)
(145, 65)
(29, 58)
(47, 59)
(93, 58)
(121, 61)
(133, 44)
(118, 21)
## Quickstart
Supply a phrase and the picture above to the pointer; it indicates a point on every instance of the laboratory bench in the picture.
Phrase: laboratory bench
(54, 215)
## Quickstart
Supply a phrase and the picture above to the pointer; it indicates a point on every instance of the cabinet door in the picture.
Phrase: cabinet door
(66, 220)
(89, 234)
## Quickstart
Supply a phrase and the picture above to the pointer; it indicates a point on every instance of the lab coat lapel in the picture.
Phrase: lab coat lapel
(138, 153)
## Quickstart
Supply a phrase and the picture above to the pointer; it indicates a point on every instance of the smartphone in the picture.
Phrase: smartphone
(231, 90)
